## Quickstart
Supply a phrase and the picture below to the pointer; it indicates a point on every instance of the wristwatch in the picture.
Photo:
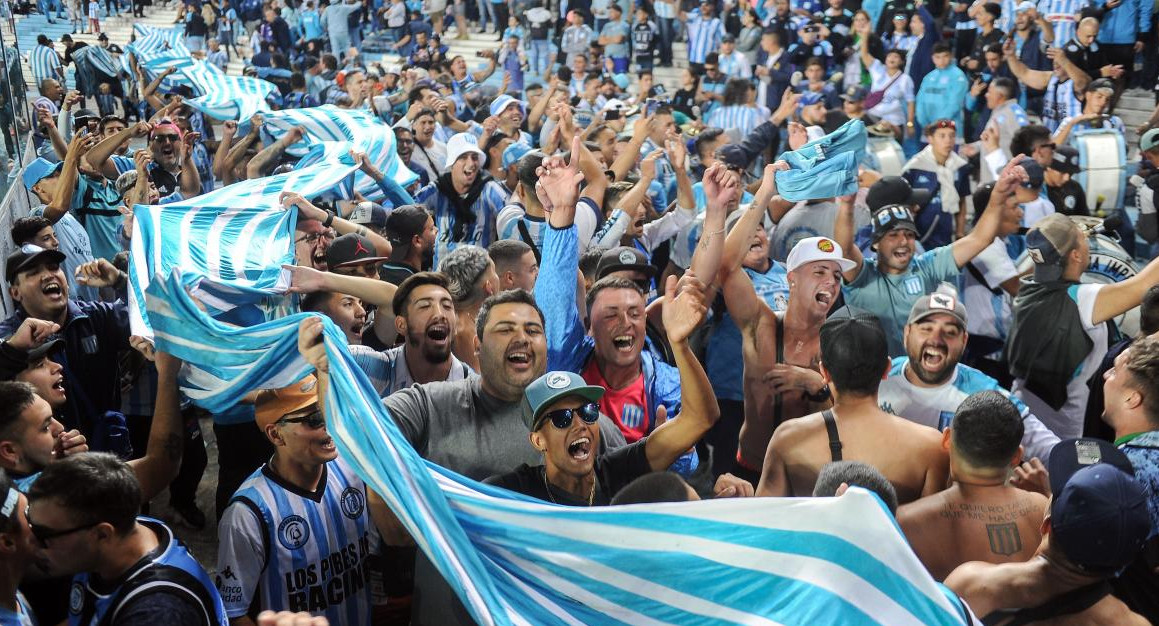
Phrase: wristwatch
(330, 215)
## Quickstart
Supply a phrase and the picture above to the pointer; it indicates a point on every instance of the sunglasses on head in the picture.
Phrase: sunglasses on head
(313, 421)
(43, 533)
(562, 418)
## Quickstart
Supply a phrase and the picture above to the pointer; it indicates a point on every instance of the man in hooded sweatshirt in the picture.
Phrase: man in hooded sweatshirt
(942, 171)
(464, 201)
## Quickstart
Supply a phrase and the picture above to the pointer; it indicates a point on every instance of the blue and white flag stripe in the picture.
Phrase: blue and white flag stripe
(236, 237)
(515, 560)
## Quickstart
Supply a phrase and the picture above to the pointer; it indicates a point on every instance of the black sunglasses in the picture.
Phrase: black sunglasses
(312, 421)
(166, 138)
(43, 534)
(561, 418)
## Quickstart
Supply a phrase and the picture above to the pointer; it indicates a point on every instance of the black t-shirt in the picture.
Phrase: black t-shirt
(1068, 199)
(614, 470)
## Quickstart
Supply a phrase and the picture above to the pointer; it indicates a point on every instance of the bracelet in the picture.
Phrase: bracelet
(706, 237)
(329, 219)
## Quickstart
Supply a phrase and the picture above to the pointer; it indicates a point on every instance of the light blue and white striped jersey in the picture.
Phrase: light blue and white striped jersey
(1059, 102)
(22, 616)
(388, 372)
(291, 550)
(703, 36)
(735, 65)
(935, 406)
(1063, 17)
(665, 175)
(454, 232)
(44, 63)
(587, 220)
(737, 120)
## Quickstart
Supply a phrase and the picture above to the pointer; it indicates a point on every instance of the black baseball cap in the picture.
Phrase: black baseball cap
(853, 340)
(9, 368)
(895, 190)
(732, 156)
(855, 93)
(29, 255)
(405, 222)
(1065, 160)
(1098, 512)
(351, 250)
(624, 258)
(892, 217)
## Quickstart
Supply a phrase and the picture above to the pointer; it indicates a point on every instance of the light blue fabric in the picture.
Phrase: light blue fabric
(825, 167)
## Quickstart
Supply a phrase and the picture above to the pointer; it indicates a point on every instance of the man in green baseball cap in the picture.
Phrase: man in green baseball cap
(562, 412)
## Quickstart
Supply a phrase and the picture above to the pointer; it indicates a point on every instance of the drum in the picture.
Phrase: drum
(1109, 264)
(890, 157)
(1102, 157)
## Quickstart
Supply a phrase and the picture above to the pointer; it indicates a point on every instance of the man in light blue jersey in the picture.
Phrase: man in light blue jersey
(525, 219)
(928, 383)
(705, 32)
(425, 319)
(889, 285)
(296, 535)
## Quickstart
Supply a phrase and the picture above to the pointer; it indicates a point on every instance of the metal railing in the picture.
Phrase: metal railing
(16, 148)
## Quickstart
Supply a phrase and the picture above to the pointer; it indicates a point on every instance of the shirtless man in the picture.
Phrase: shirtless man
(854, 359)
(781, 351)
(1096, 525)
(980, 517)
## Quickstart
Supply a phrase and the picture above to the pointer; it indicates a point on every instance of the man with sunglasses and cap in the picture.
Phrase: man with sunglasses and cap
(1051, 369)
(1095, 525)
(296, 535)
(561, 410)
(888, 285)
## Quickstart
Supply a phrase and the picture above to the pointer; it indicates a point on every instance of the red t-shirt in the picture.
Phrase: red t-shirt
(628, 407)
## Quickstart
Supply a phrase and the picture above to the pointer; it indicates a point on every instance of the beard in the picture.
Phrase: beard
(431, 353)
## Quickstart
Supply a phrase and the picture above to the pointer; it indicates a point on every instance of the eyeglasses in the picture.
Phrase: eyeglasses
(562, 418)
(329, 234)
(43, 533)
(313, 421)
(166, 138)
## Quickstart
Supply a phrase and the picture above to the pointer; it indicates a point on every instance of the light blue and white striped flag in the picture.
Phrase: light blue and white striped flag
(230, 243)
(339, 130)
(515, 560)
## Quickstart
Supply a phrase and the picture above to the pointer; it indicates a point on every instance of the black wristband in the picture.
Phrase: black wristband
(330, 215)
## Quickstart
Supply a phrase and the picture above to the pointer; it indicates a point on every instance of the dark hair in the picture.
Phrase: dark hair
(24, 229)
(590, 260)
(494, 140)
(855, 474)
(1027, 138)
(986, 430)
(316, 301)
(95, 487)
(412, 282)
(611, 282)
(6, 485)
(995, 48)
(706, 137)
(712, 58)
(736, 91)
(297, 80)
(329, 61)
(614, 192)
(1149, 311)
(108, 119)
(653, 487)
(643, 73)
(1007, 85)
(14, 398)
(416, 94)
(899, 52)
(981, 199)
(506, 252)
(942, 46)
(423, 112)
(854, 351)
(511, 296)
(43, 40)
(526, 167)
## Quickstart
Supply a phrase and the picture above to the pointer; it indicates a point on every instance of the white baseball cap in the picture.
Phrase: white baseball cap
(817, 249)
(460, 144)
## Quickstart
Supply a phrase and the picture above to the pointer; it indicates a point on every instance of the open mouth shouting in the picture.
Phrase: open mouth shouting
(902, 254)
(52, 289)
(327, 445)
(580, 449)
(824, 298)
(438, 331)
(624, 343)
(520, 358)
(934, 357)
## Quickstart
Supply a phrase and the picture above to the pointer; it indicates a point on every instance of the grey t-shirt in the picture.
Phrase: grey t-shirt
(462, 428)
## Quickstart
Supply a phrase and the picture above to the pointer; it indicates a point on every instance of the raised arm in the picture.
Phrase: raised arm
(162, 457)
(66, 184)
(265, 159)
(986, 229)
(100, 157)
(628, 155)
(719, 185)
(843, 232)
(307, 210)
(1118, 298)
(684, 310)
(189, 179)
(1035, 79)
(221, 155)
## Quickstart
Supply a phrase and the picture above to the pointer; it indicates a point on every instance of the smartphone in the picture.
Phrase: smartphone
(650, 106)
